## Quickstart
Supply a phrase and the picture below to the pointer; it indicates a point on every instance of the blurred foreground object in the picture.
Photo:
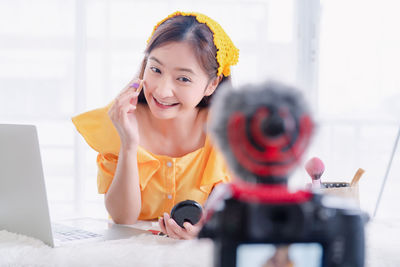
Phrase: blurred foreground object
(344, 189)
(263, 130)
(315, 168)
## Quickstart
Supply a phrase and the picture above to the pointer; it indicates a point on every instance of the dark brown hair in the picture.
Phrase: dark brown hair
(188, 29)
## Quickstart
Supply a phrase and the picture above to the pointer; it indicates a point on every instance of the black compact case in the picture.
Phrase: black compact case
(187, 211)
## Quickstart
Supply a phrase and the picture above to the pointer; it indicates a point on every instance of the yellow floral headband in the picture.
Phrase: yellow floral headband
(227, 53)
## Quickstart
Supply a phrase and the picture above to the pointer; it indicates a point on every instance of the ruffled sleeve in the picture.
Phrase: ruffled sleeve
(98, 130)
(106, 164)
(216, 170)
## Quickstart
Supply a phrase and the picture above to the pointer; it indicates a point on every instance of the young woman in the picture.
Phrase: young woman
(153, 146)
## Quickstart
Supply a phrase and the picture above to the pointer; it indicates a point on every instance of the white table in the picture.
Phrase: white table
(383, 250)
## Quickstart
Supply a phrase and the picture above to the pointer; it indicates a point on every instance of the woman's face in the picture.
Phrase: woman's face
(174, 80)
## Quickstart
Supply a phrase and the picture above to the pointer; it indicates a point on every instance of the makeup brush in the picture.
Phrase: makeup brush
(137, 85)
(357, 177)
(315, 168)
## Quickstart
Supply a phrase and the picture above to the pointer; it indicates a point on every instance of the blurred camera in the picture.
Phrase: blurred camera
(256, 220)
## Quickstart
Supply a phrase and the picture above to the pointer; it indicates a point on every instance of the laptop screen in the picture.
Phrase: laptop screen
(23, 199)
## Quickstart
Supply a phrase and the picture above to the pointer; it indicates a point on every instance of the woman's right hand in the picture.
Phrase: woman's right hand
(123, 116)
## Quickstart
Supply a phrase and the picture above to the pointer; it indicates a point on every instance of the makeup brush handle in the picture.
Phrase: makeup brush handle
(316, 183)
(357, 177)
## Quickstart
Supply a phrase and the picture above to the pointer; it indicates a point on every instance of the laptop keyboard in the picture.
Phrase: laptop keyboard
(65, 233)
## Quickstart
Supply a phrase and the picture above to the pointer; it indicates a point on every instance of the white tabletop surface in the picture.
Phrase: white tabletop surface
(383, 249)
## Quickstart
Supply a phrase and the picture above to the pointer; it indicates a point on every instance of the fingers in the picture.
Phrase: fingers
(125, 98)
(127, 102)
(172, 229)
(122, 106)
(192, 230)
(162, 225)
(138, 86)
(130, 92)
(135, 85)
(168, 227)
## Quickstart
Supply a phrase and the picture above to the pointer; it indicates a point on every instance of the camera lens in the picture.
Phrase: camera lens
(279, 216)
(283, 221)
(287, 220)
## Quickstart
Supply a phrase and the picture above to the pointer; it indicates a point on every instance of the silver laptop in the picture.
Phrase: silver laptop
(23, 199)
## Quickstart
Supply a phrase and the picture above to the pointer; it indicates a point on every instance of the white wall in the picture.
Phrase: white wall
(359, 96)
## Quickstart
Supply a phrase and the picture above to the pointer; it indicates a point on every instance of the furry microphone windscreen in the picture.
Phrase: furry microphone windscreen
(262, 130)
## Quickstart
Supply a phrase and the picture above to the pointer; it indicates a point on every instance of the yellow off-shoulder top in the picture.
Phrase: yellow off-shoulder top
(164, 181)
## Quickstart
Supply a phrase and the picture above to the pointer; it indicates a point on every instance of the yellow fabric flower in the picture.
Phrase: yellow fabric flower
(227, 53)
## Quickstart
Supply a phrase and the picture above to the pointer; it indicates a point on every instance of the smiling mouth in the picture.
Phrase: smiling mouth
(164, 104)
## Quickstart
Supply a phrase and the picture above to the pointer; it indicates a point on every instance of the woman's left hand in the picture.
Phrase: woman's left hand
(172, 229)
